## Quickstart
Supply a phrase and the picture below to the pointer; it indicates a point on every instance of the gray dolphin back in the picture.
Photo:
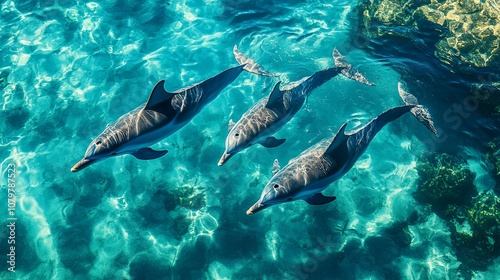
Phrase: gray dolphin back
(220, 81)
(346, 148)
(374, 126)
(188, 102)
(317, 79)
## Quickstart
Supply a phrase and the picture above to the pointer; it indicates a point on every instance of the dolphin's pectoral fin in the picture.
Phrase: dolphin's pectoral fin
(338, 139)
(148, 153)
(272, 142)
(319, 199)
(158, 97)
(276, 95)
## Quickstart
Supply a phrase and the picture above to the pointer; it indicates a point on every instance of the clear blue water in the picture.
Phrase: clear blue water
(68, 69)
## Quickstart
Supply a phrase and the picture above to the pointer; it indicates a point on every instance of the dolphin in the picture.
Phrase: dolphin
(271, 113)
(163, 114)
(307, 175)
(348, 71)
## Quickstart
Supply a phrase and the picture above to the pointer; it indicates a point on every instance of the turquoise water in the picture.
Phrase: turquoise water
(69, 69)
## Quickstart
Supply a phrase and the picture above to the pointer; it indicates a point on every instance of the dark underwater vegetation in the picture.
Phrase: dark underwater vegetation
(414, 206)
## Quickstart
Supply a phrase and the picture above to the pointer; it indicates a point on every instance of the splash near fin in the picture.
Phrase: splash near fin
(339, 138)
(250, 64)
(148, 153)
(420, 112)
(230, 125)
(276, 95)
(276, 166)
(348, 71)
(320, 199)
(272, 142)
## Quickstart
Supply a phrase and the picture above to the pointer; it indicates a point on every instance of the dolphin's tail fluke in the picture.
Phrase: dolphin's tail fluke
(250, 64)
(348, 71)
(420, 112)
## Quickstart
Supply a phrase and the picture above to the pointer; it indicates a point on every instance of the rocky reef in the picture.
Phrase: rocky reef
(470, 29)
(493, 157)
(447, 185)
(445, 182)
(475, 232)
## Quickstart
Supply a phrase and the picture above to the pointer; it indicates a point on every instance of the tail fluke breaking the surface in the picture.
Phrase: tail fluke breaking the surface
(250, 64)
(348, 71)
(420, 112)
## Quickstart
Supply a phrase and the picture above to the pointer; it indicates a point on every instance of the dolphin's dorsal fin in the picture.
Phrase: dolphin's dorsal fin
(275, 95)
(158, 95)
(338, 139)
(276, 166)
(230, 125)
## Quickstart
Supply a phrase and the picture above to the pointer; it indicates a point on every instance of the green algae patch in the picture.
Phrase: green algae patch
(484, 215)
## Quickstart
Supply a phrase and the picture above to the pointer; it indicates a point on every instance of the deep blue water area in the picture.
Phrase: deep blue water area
(414, 206)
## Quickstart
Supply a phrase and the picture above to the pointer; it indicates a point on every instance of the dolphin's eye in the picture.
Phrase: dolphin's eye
(98, 143)
(237, 135)
(276, 186)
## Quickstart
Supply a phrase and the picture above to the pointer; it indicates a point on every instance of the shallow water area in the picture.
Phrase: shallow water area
(68, 69)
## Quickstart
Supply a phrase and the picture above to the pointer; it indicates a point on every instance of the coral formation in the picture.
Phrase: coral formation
(493, 157)
(447, 184)
(476, 234)
(444, 181)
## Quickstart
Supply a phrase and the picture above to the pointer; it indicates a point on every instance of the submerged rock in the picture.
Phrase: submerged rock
(470, 29)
